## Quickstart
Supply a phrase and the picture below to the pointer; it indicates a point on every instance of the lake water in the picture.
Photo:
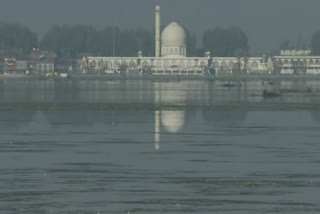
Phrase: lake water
(158, 147)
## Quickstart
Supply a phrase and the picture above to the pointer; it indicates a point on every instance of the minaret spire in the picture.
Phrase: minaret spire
(157, 33)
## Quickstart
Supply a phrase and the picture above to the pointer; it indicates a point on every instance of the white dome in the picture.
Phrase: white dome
(173, 35)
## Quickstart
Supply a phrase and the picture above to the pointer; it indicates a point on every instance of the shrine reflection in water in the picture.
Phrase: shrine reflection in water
(151, 147)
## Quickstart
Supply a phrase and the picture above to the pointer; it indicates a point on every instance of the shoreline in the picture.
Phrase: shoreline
(171, 78)
(140, 106)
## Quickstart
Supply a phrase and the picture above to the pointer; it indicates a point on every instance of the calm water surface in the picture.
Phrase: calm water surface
(158, 147)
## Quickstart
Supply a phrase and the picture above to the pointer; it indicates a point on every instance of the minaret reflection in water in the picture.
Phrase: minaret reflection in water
(157, 121)
(157, 130)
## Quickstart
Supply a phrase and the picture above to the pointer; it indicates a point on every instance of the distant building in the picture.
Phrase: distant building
(170, 58)
(14, 62)
(295, 52)
(297, 64)
(13, 66)
(42, 61)
(45, 66)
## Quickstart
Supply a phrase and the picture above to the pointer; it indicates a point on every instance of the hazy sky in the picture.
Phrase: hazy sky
(267, 22)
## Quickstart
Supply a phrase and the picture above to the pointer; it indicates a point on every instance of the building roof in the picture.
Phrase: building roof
(173, 36)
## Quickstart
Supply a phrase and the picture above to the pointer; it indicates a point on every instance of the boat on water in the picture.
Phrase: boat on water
(228, 85)
(271, 94)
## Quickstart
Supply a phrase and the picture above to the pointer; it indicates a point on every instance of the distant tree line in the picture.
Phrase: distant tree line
(226, 42)
(71, 41)
(18, 37)
(315, 43)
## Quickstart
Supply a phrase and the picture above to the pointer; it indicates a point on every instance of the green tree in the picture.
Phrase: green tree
(17, 37)
(69, 41)
(132, 41)
(285, 45)
(226, 42)
(315, 43)
(107, 41)
(191, 43)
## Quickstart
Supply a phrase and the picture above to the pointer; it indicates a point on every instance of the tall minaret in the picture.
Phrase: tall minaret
(157, 36)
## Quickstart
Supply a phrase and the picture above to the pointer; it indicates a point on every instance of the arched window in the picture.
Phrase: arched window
(231, 65)
(132, 64)
(182, 64)
(124, 64)
(158, 63)
(165, 63)
(304, 63)
(100, 64)
(254, 65)
(145, 63)
(107, 64)
(93, 63)
(224, 64)
(203, 64)
(116, 64)
(216, 64)
(196, 62)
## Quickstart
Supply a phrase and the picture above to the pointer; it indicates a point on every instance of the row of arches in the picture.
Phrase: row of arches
(132, 63)
(163, 63)
(303, 61)
(233, 64)
(112, 63)
(177, 63)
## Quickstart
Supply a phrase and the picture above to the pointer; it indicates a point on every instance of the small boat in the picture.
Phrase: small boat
(228, 85)
(271, 94)
(311, 90)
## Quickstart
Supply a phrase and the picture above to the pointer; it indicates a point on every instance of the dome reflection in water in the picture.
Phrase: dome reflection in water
(94, 146)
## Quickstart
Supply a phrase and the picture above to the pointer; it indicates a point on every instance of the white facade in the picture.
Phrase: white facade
(298, 64)
(45, 67)
(231, 65)
(152, 65)
(295, 52)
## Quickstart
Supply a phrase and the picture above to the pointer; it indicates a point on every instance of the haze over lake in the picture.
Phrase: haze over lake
(158, 147)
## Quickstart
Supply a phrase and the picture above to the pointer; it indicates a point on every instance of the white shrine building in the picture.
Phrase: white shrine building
(171, 58)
